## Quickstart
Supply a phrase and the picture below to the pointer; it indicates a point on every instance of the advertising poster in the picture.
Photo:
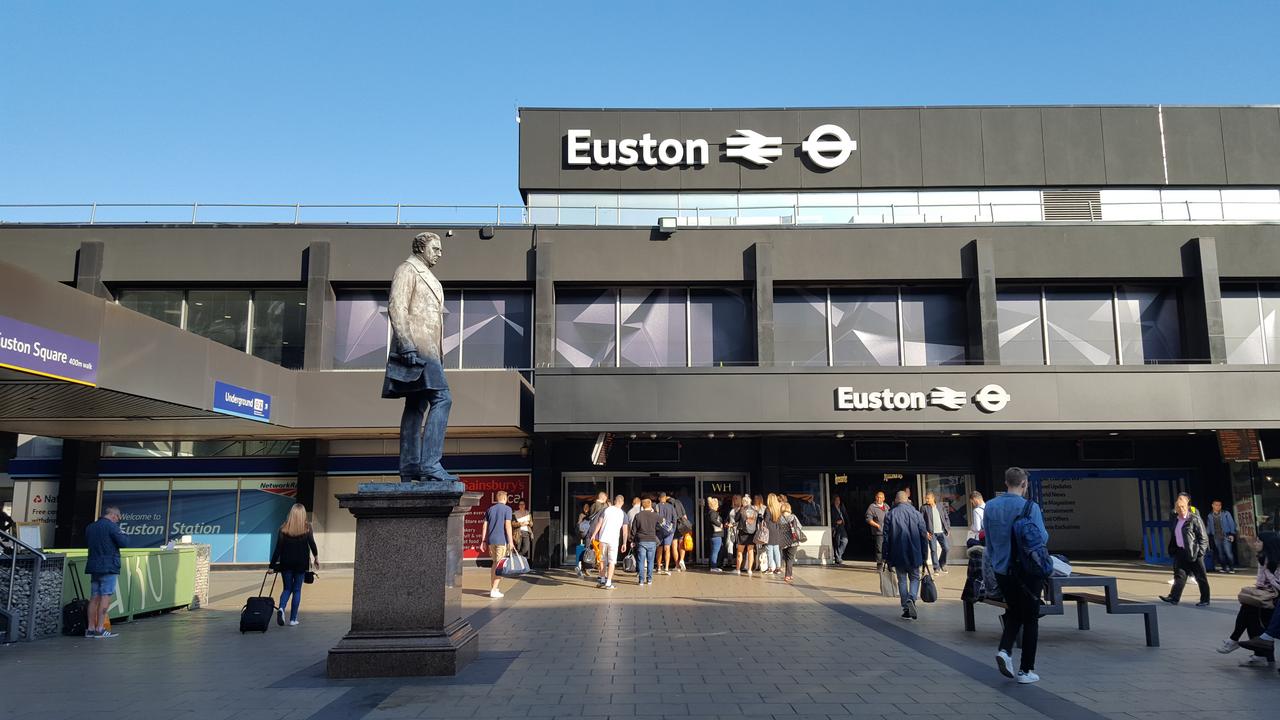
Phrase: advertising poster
(264, 504)
(35, 501)
(144, 509)
(205, 510)
(517, 487)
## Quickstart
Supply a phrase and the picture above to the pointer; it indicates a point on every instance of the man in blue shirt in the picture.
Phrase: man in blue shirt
(104, 538)
(495, 536)
(1023, 612)
(905, 540)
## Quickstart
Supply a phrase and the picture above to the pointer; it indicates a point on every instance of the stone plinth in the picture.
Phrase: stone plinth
(406, 605)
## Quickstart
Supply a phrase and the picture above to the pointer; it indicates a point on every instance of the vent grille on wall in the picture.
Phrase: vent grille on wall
(1072, 204)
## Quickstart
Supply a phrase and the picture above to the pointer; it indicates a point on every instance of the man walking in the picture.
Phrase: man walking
(937, 521)
(1187, 547)
(876, 512)
(1222, 531)
(1023, 611)
(644, 529)
(979, 509)
(839, 528)
(104, 539)
(904, 550)
(495, 537)
(611, 533)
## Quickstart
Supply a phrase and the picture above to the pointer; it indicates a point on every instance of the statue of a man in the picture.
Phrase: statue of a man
(415, 370)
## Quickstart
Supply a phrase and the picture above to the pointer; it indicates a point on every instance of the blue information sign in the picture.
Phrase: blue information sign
(231, 400)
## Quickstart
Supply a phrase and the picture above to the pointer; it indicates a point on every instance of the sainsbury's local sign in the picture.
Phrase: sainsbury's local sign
(827, 146)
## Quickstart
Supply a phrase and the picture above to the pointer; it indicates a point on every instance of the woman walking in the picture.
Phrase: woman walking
(746, 523)
(1253, 618)
(792, 535)
(773, 545)
(295, 546)
(584, 529)
(715, 529)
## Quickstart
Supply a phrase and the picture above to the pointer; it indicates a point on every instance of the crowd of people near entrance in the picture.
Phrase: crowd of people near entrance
(655, 537)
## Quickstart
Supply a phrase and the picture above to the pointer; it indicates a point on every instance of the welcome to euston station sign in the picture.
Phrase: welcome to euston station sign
(827, 146)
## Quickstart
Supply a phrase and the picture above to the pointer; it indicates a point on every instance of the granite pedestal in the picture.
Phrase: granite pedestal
(406, 605)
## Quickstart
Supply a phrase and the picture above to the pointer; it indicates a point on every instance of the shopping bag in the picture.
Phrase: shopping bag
(888, 583)
(629, 564)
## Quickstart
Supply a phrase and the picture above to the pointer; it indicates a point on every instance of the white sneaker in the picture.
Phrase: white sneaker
(1229, 645)
(749, 573)
(1265, 636)
(610, 586)
(1026, 678)
(681, 566)
(495, 594)
(737, 571)
(293, 623)
(1004, 664)
(1255, 661)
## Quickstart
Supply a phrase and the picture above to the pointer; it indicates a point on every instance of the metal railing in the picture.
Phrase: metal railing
(1195, 211)
(15, 547)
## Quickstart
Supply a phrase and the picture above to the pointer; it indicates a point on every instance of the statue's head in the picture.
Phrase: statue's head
(427, 246)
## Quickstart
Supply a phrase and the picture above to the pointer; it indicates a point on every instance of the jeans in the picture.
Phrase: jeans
(908, 594)
(1183, 564)
(879, 540)
(578, 552)
(939, 540)
(842, 542)
(1273, 627)
(422, 444)
(292, 588)
(775, 556)
(648, 551)
(1224, 554)
(716, 543)
(1023, 615)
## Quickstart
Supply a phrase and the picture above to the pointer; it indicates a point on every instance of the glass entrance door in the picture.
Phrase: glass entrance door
(579, 492)
(722, 488)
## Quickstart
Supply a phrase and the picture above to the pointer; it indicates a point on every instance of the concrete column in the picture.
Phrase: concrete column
(1207, 333)
(89, 269)
(544, 304)
(979, 263)
(321, 308)
(760, 260)
(77, 491)
(311, 459)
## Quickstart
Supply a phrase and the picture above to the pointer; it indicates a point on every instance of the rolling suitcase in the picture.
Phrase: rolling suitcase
(75, 614)
(257, 611)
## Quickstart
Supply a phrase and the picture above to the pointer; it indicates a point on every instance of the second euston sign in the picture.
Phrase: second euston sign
(827, 146)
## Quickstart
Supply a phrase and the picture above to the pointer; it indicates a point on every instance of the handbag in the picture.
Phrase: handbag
(629, 564)
(310, 577)
(762, 534)
(513, 565)
(1253, 596)
(928, 591)
(797, 533)
(687, 542)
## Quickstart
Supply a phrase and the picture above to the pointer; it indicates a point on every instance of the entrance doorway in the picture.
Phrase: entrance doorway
(691, 489)
(857, 490)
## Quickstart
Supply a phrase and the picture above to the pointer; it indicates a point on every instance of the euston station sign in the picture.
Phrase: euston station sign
(990, 399)
(827, 146)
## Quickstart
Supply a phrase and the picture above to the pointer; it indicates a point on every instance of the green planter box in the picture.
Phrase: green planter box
(151, 580)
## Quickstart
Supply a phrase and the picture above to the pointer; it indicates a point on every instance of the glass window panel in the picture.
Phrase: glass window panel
(951, 492)
(864, 327)
(1018, 316)
(766, 208)
(804, 490)
(452, 328)
(210, 448)
(137, 448)
(270, 448)
(827, 199)
(496, 329)
(164, 305)
(646, 208)
(721, 327)
(363, 324)
(800, 326)
(38, 446)
(586, 324)
(1149, 325)
(1270, 310)
(827, 215)
(1081, 327)
(220, 315)
(1242, 325)
(1130, 204)
(589, 209)
(653, 328)
(935, 328)
(280, 326)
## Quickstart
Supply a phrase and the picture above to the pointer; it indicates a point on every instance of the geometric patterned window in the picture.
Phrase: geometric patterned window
(653, 327)
(1130, 325)
(270, 324)
(1251, 321)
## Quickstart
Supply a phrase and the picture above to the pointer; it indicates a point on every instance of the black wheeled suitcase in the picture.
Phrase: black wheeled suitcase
(257, 611)
(75, 614)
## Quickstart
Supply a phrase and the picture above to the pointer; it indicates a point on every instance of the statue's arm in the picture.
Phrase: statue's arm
(398, 306)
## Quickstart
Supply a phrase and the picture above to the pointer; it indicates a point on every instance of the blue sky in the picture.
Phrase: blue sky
(370, 101)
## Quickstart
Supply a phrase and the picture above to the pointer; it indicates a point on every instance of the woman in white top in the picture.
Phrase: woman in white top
(524, 521)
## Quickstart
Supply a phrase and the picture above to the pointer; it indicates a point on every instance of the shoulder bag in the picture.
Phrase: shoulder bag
(1254, 596)
(928, 591)
(762, 534)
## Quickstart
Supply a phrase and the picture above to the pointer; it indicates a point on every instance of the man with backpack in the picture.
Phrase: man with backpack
(1017, 547)
(667, 515)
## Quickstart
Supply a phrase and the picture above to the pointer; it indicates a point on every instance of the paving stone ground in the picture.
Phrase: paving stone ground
(694, 645)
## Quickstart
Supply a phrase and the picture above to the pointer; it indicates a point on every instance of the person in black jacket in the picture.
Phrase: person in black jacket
(1187, 546)
(295, 546)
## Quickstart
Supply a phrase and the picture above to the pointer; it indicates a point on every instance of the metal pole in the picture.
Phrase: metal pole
(297, 212)
(397, 213)
(93, 213)
(194, 207)
(498, 212)
(33, 596)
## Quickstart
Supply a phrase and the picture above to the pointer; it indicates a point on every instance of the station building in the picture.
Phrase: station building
(818, 302)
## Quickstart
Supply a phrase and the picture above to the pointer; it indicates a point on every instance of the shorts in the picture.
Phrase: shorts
(666, 540)
(497, 552)
(745, 539)
(609, 553)
(103, 585)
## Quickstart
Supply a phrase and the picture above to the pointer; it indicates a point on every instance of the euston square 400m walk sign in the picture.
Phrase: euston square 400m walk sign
(44, 352)
(231, 400)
